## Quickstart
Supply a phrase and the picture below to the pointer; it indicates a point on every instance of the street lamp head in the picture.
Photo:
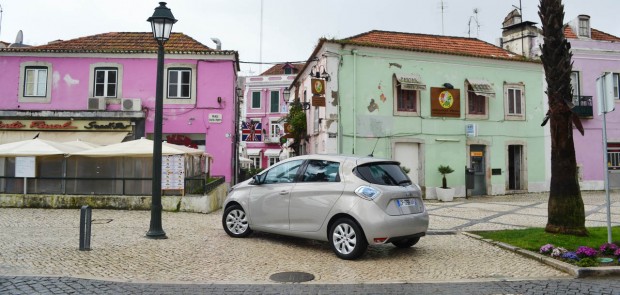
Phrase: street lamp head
(286, 93)
(161, 22)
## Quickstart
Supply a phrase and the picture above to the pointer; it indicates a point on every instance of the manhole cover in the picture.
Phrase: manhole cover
(291, 277)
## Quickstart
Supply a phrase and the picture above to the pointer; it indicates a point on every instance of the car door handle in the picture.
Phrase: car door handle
(284, 192)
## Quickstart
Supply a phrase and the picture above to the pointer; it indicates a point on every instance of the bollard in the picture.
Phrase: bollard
(86, 214)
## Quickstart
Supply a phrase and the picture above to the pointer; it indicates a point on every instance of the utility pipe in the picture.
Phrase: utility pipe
(354, 52)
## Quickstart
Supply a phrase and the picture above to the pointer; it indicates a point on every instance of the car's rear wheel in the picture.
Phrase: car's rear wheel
(347, 239)
(235, 222)
(406, 243)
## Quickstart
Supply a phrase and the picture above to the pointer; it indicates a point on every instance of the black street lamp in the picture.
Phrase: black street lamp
(161, 23)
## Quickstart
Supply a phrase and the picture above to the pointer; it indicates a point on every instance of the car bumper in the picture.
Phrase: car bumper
(380, 228)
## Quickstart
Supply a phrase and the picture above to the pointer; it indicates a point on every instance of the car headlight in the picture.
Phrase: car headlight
(367, 192)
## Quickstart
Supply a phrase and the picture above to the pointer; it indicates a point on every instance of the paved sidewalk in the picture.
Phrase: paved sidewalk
(44, 242)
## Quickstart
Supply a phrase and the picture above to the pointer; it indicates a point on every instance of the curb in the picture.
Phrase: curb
(575, 271)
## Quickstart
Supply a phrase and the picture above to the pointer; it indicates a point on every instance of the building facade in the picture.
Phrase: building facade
(265, 106)
(427, 101)
(101, 89)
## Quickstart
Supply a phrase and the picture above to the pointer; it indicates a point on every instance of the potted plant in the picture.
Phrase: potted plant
(444, 193)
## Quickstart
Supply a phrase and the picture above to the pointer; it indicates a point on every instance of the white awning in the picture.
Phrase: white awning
(253, 152)
(102, 138)
(245, 160)
(272, 153)
(482, 87)
(410, 81)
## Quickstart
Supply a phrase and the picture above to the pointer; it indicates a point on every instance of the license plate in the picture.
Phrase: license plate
(405, 202)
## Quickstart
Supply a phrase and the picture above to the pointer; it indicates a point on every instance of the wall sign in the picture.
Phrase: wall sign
(318, 86)
(318, 101)
(215, 118)
(445, 102)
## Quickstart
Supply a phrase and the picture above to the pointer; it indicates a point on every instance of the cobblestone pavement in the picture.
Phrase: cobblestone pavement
(44, 243)
(29, 285)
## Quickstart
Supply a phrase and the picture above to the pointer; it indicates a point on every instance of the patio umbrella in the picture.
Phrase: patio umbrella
(36, 147)
(137, 148)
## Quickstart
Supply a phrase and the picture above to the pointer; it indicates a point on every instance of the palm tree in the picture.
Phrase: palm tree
(566, 210)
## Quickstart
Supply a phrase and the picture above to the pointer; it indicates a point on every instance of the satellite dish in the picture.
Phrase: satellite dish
(20, 37)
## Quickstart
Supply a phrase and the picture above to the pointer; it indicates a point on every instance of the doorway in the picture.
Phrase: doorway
(515, 171)
(407, 153)
(477, 157)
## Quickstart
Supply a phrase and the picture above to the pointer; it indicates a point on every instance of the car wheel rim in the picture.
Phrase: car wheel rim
(236, 222)
(345, 238)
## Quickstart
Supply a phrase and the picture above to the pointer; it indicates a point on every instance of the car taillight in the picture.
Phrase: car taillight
(367, 192)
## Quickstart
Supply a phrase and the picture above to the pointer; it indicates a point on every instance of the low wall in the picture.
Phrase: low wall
(188, 203)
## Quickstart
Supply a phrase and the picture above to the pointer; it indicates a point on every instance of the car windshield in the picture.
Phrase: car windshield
(383, 173)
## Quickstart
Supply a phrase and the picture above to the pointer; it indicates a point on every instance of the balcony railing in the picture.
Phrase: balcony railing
(583, 106)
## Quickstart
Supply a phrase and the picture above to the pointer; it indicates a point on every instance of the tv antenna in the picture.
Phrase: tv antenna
(443, 7)
(373, 148)
(0, 20)
(520, 8)
(473, 18)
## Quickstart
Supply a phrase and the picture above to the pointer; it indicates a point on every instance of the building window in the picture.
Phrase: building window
(514, 101)
(316, 120)
(180, 83)
(105, 82)
(288, 71)
(274, 106)
(256, 163)
(574, 82)
(35, 82)
(476, 104)
(275, 130)
(256, 100)
(273, 160)
(584, 27)
(321, 171)
(407, 98)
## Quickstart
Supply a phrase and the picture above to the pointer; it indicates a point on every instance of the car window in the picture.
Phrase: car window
(383, 173)
(283, 173)
(321, 171)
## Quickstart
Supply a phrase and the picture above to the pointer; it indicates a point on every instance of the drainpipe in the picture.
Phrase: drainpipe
(354, 52)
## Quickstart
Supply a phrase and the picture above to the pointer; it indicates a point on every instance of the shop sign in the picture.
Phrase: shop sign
(476, 154)
(318, 86)
(58, 125)
(318, 101)
(445, 102)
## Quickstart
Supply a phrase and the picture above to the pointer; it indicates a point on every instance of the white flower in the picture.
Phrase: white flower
(557, 252)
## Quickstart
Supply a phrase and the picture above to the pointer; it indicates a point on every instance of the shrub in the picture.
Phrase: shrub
(584, 252)
(608, 249)
(617, 253)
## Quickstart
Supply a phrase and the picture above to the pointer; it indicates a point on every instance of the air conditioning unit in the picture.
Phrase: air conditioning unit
(96, 103)
(131, 104)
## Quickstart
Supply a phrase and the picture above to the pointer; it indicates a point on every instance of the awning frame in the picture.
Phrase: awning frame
(481, 87)
(410, 81)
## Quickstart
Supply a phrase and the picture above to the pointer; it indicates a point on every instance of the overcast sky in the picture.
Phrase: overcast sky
(291, 28)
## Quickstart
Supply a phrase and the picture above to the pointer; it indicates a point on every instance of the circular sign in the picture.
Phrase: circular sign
(318, 86)
(445, 99)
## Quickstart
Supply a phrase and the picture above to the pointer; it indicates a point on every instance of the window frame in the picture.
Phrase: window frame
(576, 81)
(38, 65)
(398, 97)
(180, 84)
(105, 83)
(583, 27)
(273, 160)
(514, 116)
(256, 160)
(274, 135)
(616, 85)
(119, 80)
(192, 83)
(271, 101)
(326, 177)
(252, 106)
(470, 91)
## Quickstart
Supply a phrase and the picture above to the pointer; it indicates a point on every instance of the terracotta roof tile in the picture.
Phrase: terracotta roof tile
(431, 43)
(595, 35)
(278, 69)
(124, 42)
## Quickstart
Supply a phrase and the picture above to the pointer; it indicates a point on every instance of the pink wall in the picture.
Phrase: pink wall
(70, 91)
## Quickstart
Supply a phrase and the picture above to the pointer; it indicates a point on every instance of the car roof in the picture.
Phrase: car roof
(358, 160)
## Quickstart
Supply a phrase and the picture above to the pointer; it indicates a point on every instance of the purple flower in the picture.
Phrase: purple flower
(546, 249)
(608, 248)
(617, 253)
(570, 255)
(584, 251)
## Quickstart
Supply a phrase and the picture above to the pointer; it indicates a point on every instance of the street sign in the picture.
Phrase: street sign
(605, 93)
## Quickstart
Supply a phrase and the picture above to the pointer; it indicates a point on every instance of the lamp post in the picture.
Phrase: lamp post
(161, 24)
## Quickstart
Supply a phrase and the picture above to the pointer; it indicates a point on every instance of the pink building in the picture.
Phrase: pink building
(101, 89)
(265, 106)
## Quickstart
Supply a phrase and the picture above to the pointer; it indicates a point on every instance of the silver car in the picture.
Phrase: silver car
(349, 201)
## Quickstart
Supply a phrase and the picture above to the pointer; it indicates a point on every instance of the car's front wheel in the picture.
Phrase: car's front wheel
(406, 243)
(347, 239)
(235, 222)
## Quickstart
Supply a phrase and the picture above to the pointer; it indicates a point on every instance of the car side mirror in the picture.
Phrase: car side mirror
(256, 180)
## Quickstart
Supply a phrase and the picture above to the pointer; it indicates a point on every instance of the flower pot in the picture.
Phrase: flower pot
(445, 194)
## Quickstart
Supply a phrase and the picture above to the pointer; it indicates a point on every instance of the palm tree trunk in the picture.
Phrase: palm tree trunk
(566, 209)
